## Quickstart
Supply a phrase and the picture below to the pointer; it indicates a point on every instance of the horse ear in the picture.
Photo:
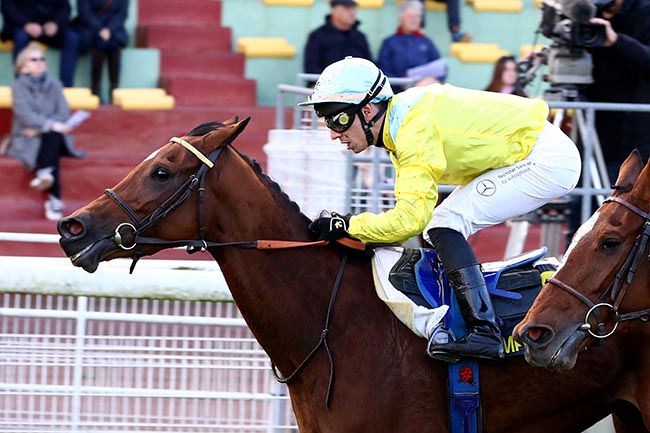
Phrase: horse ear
(225, 134)
(641, 187)
(231, 121)
(629, 171)
(238, 128)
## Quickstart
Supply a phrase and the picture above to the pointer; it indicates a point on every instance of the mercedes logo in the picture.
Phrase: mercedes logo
(486, 188)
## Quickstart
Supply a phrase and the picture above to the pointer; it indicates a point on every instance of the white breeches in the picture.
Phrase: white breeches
(550, 171)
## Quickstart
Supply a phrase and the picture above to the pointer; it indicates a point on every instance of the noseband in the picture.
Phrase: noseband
(140, 225)
(617, 289)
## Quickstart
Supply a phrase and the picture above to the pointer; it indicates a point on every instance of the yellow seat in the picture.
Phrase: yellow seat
(289, 2)
(374, 4)
(80, 98)
(525, 50)
(265, 47)
(498, 5)
(119, 93)
(5, 96)
(6, 46)
(435, 6)
(488, 56)
(457, 47)
(143, 99)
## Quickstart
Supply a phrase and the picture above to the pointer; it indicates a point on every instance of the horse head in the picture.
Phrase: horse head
(167, 185)
(602, 280)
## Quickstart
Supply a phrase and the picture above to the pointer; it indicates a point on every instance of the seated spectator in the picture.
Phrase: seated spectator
(39, 134)
(337, 38)
(409, 48)
(505, 77)
(45, 21)
(453, 20)
(100, 25)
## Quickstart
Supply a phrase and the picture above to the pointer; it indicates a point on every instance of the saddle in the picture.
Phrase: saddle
(513, 285)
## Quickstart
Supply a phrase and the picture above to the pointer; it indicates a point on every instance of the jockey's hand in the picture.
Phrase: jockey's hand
(330, 227)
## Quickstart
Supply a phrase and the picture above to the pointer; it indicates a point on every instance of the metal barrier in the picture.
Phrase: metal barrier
(77, 358)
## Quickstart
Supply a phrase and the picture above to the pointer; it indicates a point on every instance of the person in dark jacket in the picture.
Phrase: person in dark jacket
(337, 38)
(39, 133)
(621, 74)
(45, 21)
(408, 47)
(100, 25)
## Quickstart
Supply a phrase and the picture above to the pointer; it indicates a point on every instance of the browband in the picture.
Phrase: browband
(194, 150)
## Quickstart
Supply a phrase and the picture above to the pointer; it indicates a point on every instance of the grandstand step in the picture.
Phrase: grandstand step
(176, 62)
(221, 90)
(191, 38)
(191, 12)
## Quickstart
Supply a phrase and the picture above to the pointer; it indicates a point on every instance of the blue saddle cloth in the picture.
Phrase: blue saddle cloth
(513, 285)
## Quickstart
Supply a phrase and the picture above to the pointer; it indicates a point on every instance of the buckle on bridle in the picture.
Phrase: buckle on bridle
(118, 236)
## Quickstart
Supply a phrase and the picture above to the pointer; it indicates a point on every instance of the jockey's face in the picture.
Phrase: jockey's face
(354, 137)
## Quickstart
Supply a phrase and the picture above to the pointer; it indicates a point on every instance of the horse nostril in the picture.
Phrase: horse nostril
(534, 334)
(537, 336)
(70, 227)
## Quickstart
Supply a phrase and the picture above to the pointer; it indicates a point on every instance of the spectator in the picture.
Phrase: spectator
(337, 38)
(45, 21)
(453, 21)
(100, 25)
(409, 47)
(621, 73)
(505, 78)
(39, 134)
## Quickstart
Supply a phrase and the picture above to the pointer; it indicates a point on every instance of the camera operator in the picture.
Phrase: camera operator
(621, 74)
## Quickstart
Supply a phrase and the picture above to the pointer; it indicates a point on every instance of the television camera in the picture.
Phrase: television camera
(567, 24)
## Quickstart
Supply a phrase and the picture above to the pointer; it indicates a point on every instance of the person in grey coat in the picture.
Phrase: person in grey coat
(39, 134)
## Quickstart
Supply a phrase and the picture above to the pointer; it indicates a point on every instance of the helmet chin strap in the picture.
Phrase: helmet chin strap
(367, 125)
(374, 90)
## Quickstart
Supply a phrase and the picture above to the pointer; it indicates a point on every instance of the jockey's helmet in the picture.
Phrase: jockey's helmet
(351, 81)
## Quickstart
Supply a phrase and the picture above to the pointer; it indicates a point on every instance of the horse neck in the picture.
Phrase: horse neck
(282, 294)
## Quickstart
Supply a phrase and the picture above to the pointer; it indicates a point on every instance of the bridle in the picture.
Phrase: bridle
(618, 287)
(140, 225)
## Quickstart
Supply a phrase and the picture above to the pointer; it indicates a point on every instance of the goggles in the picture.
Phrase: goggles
(342, 121)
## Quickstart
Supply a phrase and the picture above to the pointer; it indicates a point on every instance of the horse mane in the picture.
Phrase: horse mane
(273, 185)
(207, 127)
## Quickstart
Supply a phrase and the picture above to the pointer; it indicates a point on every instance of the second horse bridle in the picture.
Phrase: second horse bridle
(618, 288)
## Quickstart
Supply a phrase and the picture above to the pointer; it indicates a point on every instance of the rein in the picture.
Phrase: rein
(321, 342)
(618, 287)
(178, 198)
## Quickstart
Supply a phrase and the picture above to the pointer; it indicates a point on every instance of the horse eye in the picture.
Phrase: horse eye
(160, 174)
(610, 244)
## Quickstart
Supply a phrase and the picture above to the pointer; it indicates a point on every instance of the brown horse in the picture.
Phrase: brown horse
(600, 294)
(351, 365)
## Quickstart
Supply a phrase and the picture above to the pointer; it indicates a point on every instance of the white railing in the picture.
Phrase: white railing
(170, 353)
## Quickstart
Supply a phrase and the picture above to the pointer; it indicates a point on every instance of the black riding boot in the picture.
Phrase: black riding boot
(96, 67)
(483, 339)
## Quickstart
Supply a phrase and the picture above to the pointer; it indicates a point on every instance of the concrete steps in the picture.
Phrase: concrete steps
(215, 90)
(187, 12)
(194, 38)
(175, 63)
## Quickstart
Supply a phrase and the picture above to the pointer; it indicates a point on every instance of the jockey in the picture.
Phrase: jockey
(504, 156)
